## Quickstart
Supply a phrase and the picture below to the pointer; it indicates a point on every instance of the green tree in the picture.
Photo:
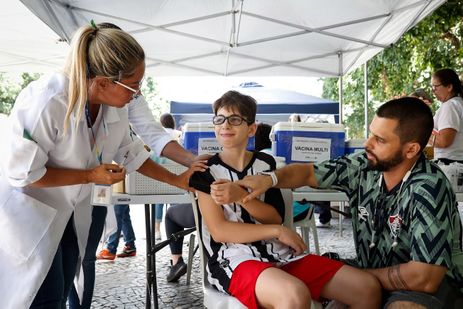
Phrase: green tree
(9, 89)
(156, 102)
(432, 44)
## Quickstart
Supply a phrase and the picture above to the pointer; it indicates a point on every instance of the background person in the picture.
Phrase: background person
(66, 129)
(407, 229)
(178, 217)
(124, 226)
(448, 120)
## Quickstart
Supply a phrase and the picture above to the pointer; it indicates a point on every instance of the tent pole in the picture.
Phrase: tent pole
(365, 77)
(340, 89)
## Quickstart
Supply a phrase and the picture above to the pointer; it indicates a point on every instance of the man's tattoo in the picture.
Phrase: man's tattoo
(395, 279)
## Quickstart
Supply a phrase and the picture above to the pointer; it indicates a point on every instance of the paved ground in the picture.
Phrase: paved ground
(121, 283)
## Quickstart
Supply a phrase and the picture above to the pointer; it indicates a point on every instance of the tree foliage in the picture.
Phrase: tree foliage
(434, 43)
(156, 102)
(9, 89)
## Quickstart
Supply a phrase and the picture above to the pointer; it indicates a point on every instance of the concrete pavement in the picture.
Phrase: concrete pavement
(121, 283)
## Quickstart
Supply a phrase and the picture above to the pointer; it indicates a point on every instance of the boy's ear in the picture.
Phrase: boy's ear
(252, 129)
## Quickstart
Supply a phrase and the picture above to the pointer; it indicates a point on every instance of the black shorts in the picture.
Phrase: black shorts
(448, 296)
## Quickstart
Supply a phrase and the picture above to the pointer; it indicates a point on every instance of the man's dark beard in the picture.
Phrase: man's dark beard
(384, 166)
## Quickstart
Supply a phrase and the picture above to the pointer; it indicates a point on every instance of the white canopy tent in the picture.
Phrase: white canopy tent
(246, 37)
(26, 43)
(220, 37)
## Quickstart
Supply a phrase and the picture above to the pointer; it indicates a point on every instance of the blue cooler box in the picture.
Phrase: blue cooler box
(355, 145)
(307, 142)
(199, 138)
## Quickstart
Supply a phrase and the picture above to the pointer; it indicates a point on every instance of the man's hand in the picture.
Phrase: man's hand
(257, 184)
(224, 191)
(106, 174)
(291, 239)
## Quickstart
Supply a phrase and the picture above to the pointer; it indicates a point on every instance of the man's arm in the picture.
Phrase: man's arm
(413, 276)
(290, 176)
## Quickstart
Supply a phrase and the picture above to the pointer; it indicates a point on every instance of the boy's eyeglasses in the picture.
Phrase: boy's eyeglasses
(234, 120)
(434, 87)
(136, 92)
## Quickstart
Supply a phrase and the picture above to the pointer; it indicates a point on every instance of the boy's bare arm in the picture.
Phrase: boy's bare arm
(225, 192)
(223, 230)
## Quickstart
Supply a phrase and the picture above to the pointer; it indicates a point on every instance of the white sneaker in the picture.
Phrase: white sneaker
(323, 225)
(157, 236)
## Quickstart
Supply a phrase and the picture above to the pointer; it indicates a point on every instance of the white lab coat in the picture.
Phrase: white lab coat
(33, 219)
(156, 137)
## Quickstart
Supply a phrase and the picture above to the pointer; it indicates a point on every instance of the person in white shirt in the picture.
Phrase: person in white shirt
(66, 129)
(163, 145)
(447, 137)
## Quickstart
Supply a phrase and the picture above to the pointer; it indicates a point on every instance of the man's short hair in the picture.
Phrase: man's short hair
(167, 121)
(415, 122)
(238, 102)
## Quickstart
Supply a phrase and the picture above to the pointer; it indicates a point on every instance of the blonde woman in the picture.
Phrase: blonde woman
(66, 129)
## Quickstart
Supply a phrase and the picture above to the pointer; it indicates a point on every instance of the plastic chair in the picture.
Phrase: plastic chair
(214, 298)
(307, 224)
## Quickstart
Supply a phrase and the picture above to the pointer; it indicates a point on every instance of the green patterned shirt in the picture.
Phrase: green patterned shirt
(418, 220)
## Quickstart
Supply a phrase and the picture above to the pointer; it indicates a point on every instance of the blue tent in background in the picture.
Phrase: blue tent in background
(273, 105)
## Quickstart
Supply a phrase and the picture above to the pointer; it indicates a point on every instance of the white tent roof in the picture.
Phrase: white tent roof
(240, 37)
(26, 43)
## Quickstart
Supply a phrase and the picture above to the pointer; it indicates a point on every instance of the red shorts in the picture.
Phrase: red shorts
(314, 270)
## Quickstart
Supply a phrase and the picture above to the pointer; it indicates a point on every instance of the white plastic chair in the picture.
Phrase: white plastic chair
(214, 298)
(307, 224)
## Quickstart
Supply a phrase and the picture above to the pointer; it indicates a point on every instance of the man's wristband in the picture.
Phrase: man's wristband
(272, 175)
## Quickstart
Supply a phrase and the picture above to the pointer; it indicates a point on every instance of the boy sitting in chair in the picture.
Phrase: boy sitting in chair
(251, 256)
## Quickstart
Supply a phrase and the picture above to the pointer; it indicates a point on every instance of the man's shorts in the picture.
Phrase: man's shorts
(447, 296)
(315, 271)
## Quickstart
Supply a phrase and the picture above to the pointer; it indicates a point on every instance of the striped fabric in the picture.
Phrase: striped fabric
(223, 258)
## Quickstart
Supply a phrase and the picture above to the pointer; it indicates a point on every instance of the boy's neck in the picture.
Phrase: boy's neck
(236, 158)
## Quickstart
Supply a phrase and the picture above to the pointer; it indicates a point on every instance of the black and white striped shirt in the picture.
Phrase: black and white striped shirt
(223, 258)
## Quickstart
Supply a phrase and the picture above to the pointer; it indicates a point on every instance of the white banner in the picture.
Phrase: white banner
(309, 149)
(208, 146)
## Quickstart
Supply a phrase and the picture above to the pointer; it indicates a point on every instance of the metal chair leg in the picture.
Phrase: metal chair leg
(191, 253)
